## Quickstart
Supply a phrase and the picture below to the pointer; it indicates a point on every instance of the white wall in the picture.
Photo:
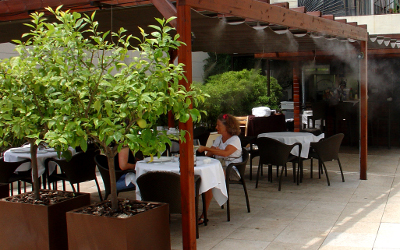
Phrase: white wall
(377, 24)
(7, 50)
(197, 66)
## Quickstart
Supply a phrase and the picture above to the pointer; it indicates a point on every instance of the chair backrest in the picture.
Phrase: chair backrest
(202, 134)
(80, 168)
(8, 168)
(211, 139)
(241, 166)
(328, 149)
(272, 151)
(243, 122)
(161, 187)
(102, 165)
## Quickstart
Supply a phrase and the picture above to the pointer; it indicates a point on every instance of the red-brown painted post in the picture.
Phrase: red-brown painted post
(186, 149)
(363, 111)
(173, 55)
(296, 96)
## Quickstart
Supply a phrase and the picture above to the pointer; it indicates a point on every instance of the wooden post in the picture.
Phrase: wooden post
(268, 78)
(363, 111)
(171, 119)
(296, 96)
(186, 149)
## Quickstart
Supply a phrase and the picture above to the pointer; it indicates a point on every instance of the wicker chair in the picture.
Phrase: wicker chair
(102, 165)
(80, 168)
(274, 152)
(241, 167)
(8, 176)
(327, 150)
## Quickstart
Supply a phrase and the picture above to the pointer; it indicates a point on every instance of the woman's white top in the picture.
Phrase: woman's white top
(234, 141)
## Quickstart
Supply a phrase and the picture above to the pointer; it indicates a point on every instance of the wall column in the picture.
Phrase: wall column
(296, 96)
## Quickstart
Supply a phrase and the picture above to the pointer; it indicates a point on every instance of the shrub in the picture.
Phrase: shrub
(237, 92)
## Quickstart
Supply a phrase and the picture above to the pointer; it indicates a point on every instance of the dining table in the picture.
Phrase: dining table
(23, 153)
(209, 169)
(290, 138)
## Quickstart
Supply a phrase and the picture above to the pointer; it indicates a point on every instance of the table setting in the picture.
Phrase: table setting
(209, 169)
(290, 138)
(22, 153)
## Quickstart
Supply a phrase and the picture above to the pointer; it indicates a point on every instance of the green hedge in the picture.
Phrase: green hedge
(237, 92)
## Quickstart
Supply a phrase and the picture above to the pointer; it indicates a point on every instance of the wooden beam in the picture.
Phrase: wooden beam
(283, 5)
(375, 52)
(363, 111)
(32, 5)
(389, 52)
(330, 17)
(167, 9)
(314, 13)
(186, 148)
(272, 14)
(300, 54)
(300, 9)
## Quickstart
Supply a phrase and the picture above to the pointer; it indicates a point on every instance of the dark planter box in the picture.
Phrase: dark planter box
(4, 190)
(146, 230)
(28, 226)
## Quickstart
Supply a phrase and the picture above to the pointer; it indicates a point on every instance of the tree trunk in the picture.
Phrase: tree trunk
(113, 183)
(34, 165)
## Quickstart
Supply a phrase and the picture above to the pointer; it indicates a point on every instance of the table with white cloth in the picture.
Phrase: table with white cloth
(209, 169)
(290, 138)
(23, 153)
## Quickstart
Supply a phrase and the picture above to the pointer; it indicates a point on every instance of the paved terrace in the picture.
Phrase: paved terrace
(346, 215)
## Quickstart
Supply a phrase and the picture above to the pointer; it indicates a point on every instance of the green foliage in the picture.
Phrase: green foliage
(216, 64)
(82, 87)
(237, 92)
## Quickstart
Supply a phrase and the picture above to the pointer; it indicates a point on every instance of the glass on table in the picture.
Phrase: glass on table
(175, 157)
(196, 145)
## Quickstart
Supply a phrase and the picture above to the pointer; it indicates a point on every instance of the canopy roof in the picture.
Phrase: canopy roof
(212, 32)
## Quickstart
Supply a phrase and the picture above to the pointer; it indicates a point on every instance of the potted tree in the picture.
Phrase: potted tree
(28, 93)
(115, 100)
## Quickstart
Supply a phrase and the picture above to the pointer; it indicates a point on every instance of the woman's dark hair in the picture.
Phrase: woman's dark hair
(232, 125)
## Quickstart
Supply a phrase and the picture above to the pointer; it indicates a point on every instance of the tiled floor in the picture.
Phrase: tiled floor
(354, 214)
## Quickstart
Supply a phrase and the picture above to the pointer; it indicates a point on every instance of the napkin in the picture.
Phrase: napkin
(130, 178)
(207, 161)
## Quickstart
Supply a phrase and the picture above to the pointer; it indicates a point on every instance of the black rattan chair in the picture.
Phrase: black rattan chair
(80, 168)
(241, 167)
(327, 150)
(201, 133)
(274, 152)
(166, 187)
(102, 165)
(248, 143)
(8, 175)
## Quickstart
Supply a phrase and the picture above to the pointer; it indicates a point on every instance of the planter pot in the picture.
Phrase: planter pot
(145, 230)
(33, 226)
(4, 190)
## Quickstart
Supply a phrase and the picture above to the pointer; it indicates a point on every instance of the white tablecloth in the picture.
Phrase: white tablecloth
(16, 154)
(212, 175)
(290, 138)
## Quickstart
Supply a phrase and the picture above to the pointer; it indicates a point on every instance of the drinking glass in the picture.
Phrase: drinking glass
(196, 145)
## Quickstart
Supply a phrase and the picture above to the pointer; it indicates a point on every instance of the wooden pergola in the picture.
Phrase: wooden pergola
(13, 13)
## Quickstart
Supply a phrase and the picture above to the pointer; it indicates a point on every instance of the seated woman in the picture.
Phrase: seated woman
(226, 147)
(126, 161)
